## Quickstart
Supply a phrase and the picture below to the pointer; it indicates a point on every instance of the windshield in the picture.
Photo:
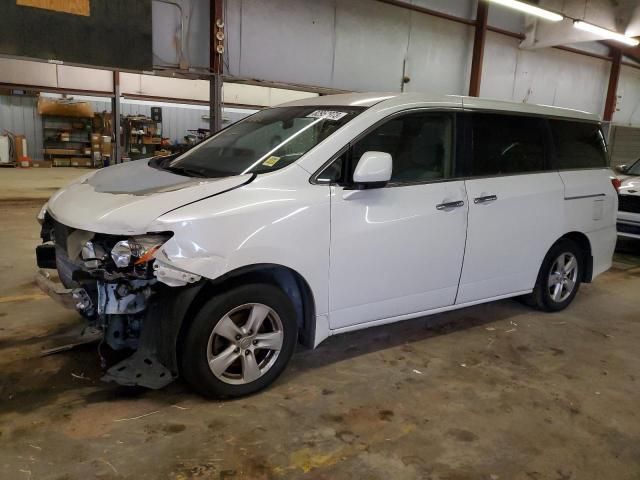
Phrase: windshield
(634, 169)
(264, 142)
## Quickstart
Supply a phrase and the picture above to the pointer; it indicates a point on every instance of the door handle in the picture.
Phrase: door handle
(485, 199)
(444, 206)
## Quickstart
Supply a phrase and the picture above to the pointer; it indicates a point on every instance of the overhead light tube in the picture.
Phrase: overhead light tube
(530, 9)
(605, 34)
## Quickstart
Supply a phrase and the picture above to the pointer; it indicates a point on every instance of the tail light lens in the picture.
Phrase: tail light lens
(616, 182)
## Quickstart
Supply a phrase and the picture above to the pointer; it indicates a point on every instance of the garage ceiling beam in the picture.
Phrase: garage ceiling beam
(631, 52)
(428, 11)
(479, 38)
(612, 89)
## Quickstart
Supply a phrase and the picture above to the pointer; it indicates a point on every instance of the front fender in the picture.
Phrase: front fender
(277, 219)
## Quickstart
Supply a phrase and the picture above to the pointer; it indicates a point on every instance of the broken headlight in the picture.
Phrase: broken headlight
(42, 213)
(137, 250)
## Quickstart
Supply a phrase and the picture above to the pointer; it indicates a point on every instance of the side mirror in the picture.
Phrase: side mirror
(373, 170)
(621, 168)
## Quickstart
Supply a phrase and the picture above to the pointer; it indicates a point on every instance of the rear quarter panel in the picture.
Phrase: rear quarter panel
(590, 207)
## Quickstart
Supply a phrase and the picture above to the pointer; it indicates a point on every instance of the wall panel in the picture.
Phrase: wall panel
(546, 76)
(371, 45)
(290, 38)
(438, 58)
(629, 97)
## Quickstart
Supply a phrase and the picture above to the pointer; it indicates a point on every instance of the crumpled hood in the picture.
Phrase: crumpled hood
(124, 199)
(630, 185)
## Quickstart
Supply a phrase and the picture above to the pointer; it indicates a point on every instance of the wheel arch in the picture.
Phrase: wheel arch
(285, 278)
(585, 245)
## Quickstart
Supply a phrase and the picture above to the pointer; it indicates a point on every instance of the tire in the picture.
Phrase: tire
(213, 337)
(557, 285)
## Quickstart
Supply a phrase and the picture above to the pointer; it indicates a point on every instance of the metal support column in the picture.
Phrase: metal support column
(115, 115)
(216, 61)
(480, 36)
(612, 90)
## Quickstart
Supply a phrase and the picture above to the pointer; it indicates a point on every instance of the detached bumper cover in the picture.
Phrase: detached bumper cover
(63, 296)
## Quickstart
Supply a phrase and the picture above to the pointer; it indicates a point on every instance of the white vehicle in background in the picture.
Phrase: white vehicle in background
(324, 216)
(629, 200)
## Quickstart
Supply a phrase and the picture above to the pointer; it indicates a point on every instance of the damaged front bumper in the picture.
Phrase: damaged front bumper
(57, 291)
(154, 363)
(139, 308)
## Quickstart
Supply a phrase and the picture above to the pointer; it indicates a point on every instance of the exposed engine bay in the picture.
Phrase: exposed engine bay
(113, 281)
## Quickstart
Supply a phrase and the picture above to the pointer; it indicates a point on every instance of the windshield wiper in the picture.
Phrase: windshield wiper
(185, 171)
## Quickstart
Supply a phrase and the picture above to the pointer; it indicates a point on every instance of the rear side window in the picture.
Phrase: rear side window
(506, 144)
(577, 145)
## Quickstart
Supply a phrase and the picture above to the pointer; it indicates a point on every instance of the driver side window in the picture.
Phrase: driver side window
(420, 145)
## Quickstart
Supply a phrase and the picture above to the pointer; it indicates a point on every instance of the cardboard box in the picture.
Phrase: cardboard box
(80, 162)
(42, 164)
(61, 162)
(61, 151)
(20, 147)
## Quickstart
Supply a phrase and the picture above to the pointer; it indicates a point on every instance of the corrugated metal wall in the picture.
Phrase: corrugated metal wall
(353, 45)
(364, 45)
(19, 115)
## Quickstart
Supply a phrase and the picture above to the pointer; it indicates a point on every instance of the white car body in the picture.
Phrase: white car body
(369, 257)
(629, 208)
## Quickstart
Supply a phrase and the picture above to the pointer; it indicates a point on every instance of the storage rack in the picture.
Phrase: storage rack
(66, 138)
(142, 145)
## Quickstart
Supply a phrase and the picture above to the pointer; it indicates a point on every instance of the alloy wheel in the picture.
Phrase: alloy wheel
(563, 277)
(245, 343)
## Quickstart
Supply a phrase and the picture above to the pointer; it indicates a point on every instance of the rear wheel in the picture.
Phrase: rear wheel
(559, 277)
(240, 341)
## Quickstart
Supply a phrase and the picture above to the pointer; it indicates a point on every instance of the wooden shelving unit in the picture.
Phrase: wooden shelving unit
(142, 137)
(66, 139)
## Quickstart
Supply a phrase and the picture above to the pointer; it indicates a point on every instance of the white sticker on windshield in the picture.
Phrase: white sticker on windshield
(328, 114)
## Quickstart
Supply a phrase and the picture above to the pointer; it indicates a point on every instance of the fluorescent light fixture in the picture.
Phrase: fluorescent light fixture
(530, 9)
(604, 33)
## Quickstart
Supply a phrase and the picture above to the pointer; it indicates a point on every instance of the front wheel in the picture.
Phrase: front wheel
(559, 277)
(240, 341)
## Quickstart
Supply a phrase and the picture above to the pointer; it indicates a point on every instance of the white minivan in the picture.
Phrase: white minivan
(323, 216)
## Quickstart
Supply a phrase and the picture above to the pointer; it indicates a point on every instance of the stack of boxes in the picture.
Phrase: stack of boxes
(96, 153)
(106, 150)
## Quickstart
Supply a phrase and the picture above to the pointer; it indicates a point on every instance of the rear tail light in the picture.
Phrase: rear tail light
(616, 184)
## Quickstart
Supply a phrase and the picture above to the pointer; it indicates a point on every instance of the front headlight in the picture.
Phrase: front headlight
(42, 213)
(137, 250)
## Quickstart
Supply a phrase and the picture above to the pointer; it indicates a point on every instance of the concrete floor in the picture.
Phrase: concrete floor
(491, 392)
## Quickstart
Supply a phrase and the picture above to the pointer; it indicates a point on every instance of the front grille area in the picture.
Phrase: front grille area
(629, 203)
(627, 228)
